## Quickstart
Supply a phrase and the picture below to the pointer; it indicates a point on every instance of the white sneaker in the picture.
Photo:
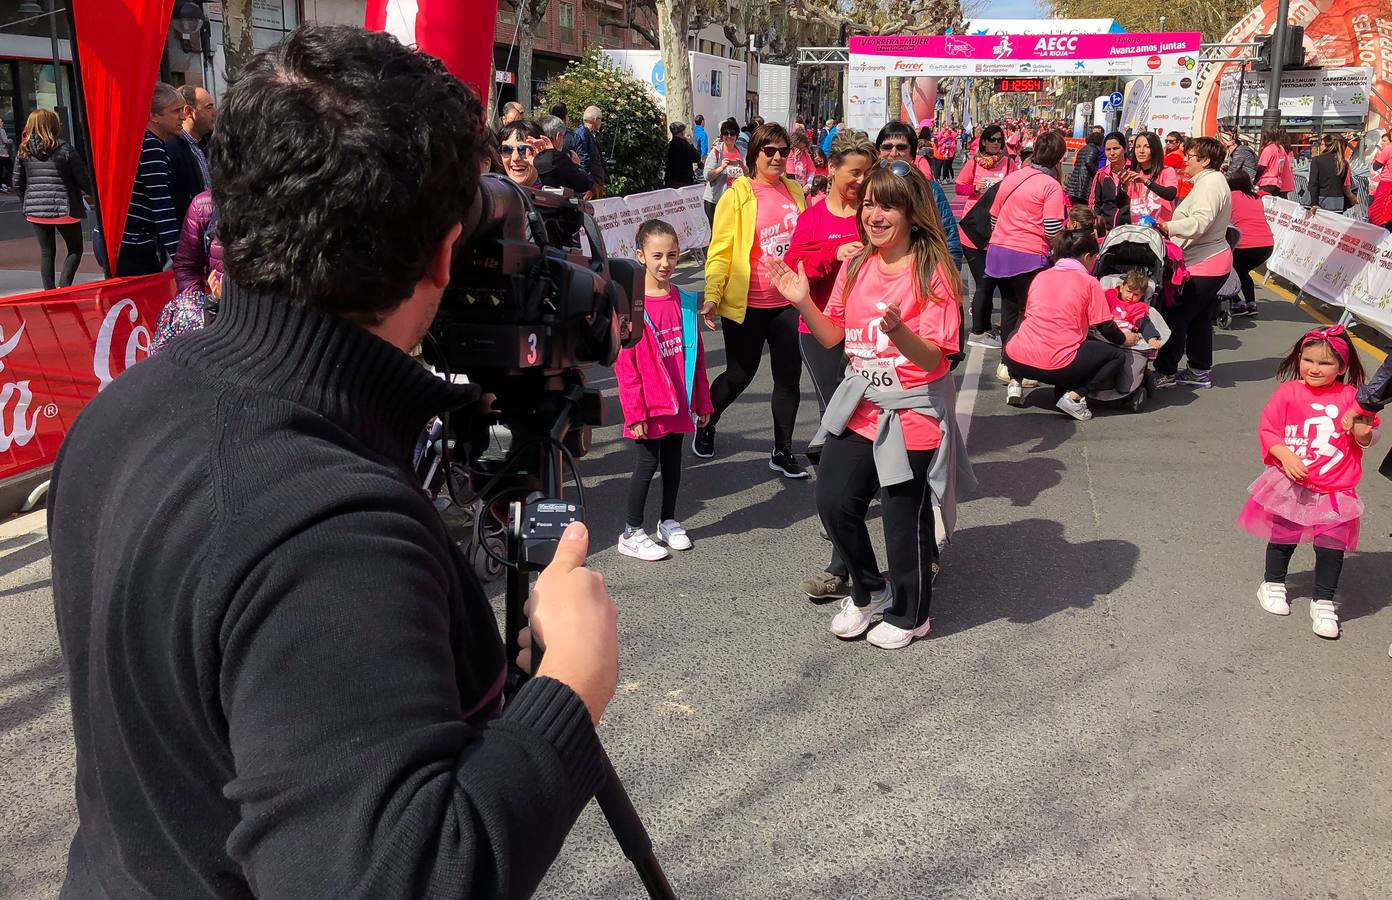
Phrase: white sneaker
(1324, 619)
(851, 620)
(1014, 394)
(1002, 374)
(671, 533)
(638, 545)
(892, 637)
(1272, 597)
(1078, 409)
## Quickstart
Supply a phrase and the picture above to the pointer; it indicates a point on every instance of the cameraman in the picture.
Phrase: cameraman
(285, 679)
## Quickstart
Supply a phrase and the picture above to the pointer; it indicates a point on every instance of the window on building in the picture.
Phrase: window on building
(566, 17)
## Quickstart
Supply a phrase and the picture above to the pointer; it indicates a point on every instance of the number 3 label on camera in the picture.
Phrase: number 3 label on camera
(879, 373)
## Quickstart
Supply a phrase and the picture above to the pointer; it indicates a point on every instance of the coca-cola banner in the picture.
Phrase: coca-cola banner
(58, 349)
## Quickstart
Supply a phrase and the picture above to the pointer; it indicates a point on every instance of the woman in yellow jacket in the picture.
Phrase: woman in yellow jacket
(754, 220)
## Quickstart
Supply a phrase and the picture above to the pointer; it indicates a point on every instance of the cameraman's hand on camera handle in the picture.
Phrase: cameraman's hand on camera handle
(573, 619)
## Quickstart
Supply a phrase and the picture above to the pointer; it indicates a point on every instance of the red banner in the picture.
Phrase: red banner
(119, 45)
(58, 349)
(458, 32)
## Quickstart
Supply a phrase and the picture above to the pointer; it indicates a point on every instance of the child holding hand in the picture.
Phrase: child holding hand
(1307, 495)
(662, 385)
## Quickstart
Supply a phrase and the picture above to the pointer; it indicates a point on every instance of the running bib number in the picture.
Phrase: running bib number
(880, 374)
(777, 246)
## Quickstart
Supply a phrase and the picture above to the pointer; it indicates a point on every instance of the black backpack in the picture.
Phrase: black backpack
(976, 224)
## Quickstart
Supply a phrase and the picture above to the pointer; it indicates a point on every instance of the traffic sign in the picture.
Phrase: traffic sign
(1116, 99)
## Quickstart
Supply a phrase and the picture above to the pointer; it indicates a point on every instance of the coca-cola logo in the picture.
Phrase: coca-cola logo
(123, 317)
(17, 426)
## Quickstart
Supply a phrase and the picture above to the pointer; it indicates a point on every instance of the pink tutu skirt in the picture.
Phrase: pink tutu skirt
(1283, 512)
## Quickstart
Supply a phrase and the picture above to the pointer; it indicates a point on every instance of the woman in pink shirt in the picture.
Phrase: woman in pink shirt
(1028, 212)
(827, 235)
(1381, 160)
(895, 305)
(1051, 344)
(988, 166)
(754, 222)
(1254, 246)
(1274, 163)
(1151, 186)
(800, 166)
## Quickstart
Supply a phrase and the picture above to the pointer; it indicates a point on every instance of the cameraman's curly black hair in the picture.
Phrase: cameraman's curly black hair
(339, 161)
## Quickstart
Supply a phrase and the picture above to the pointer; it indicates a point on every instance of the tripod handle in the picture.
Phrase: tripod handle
(628, 830)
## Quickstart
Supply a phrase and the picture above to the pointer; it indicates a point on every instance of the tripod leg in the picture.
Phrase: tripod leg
(629, 832)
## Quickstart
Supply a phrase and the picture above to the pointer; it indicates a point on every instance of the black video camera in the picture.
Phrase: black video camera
(523, 298)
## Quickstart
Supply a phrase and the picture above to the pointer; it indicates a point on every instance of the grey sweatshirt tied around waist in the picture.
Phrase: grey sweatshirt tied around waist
(950, 467)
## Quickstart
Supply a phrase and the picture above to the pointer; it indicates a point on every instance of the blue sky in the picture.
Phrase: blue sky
(1009, 9)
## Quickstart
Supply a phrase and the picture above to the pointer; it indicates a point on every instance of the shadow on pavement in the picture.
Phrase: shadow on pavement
(1364, 588)
(1021, 482)
(1024, 572)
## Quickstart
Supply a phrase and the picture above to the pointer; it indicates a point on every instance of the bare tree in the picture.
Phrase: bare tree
(1212, 17)
(881, 16)
(638, 16)
(528, 13)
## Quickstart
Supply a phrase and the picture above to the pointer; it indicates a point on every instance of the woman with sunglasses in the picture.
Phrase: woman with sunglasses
(517, 143)
(989, 166)
(1151, 186)
(889, 426)
(898, 141)
(754, 222)
(724, 166)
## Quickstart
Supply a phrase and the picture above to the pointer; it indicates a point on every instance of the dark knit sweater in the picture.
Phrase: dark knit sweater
(285, 679)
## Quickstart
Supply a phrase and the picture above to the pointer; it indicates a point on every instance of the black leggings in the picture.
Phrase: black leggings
(1245, 259)
(942, 169)
(827, 366)
(1014, 291)
(983, 298)
(1329, 562)
(1096, 368)
(1191, 325)
(1271, 189)
(710, 211)
(846, 484)
(47, 235)
(744, 347)
(648, 455)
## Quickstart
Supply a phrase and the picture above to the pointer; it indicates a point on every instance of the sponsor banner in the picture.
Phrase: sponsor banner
(1305, 93)
(618, 219)
(58, 349)
(1171, 104)
(1022, 54)
(1338, 34)
(1042, 26)
(1334, 258)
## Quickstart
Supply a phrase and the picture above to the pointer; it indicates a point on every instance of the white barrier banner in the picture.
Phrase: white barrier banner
(1333, 258)
(618, 218)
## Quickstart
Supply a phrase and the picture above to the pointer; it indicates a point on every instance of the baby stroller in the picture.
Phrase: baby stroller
(1129, 247)
(1231, 291)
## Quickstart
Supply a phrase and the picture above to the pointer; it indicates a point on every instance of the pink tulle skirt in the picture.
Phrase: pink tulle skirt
(1283, 512)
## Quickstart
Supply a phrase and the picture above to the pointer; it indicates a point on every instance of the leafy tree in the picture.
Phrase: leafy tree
(1212, 17)
(634, 138)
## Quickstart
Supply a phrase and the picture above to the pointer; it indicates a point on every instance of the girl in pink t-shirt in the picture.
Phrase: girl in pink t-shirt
(1307, 493)
(895, 305)
(1274, 163)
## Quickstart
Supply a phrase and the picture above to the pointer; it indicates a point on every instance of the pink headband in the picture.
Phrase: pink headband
(1341, 346)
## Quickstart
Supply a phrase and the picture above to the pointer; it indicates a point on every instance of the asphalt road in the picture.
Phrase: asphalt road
(1102, 709)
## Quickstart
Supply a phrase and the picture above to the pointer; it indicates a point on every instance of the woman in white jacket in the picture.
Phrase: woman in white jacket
(1200, 228)
(724, 164)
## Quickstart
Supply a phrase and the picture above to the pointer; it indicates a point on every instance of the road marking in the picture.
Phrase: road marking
(966, 395)
(1320, 317)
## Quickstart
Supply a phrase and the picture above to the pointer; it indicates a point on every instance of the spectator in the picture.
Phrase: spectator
(1026, 216)
(1241, 158)
(555, 167)
(1200, 228)
(800, 166)
(519, 150)
(512, 112)
(6, 161)
(945, 152)
(1085, 167)
(588, 147)
(188, 163)
(898, 141)
(682, 158)
(987, 167)
(1381, 160)
(51, 179)
(152, 225)
(828, 135)
(197, 275)
(1329, 182)
(1254, 243)
(1274, 163)
(698, 132)
(560, 111)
